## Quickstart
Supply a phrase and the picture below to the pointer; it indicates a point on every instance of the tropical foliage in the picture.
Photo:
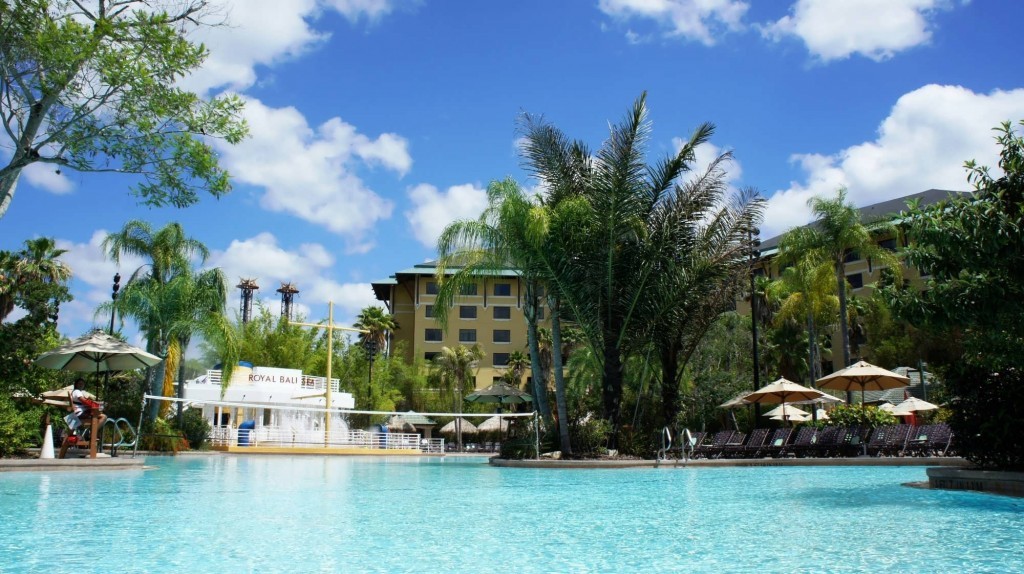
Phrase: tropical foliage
(973, 251)
(95, 86)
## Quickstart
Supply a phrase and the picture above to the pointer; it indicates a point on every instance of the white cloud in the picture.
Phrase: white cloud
(308, 267)
(267, 32)
(699, 20)
(876, 29)
(93, 275)
(433, 210)
(704, 155)
(46, 177)
(921, 145)
(311, 173)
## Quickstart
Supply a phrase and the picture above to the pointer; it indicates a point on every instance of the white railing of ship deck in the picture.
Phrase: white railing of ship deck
(285, 437)
(309, 382)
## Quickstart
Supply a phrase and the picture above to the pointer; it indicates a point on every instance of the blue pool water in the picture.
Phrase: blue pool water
(337, 514)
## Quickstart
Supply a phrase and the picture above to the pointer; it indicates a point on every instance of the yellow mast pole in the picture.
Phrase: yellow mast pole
(330, 353)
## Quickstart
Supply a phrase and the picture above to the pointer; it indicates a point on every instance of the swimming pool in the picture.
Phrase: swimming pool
(354, 514)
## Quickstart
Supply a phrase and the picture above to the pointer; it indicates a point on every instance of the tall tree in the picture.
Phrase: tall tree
(37, 262)
(701, 244)
(806, 293)
(609, 264)
(456, 369)
(159, 292)
(93, 85)
(378, 323)
(836, 234)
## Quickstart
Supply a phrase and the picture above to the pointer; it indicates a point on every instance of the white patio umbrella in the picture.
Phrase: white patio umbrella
(863, 376)
(783, 391)
(787, 412)
(97, 352)
(912, 405)
(887, 407)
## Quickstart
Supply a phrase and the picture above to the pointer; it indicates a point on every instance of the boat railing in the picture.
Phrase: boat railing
(308, 382)
(273, 436)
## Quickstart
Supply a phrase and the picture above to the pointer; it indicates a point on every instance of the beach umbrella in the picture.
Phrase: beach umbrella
(495, 424)
(97, 352)
(911, 406)
(500, 393)
(887, 407)
(783, 391)
(739, 400)
(787, 412)
(863, 376)
(467, 427)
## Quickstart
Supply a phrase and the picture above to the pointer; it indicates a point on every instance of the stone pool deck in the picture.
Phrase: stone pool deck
(76, 464)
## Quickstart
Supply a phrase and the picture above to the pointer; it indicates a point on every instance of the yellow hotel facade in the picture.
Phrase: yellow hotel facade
(489, 314)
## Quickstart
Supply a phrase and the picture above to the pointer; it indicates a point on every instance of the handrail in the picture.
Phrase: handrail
(666, 445)
(120, 426)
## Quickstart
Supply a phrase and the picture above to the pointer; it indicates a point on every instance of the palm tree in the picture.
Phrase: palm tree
(806, 292)
(603, 268)
(164, 296)
(836, 234)
(506, 234)
(379, 324)
(38, 261)
(703, 247)
(518, 363)
(455, 367)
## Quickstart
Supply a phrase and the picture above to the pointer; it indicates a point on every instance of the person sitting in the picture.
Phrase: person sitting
(83, 410)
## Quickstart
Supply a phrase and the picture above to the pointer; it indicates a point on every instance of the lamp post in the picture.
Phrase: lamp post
(113, 312)
(753, 255)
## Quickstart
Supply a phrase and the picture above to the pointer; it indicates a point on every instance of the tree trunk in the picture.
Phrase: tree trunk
(669, 386)
(181, 382)
(556, 358)
(538, 379)
(844, 332)
(8, 183)
(812, 344)
(611, 392)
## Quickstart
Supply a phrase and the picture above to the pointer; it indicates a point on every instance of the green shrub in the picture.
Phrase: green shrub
(859, 415)
(195, 427)
(162, 437)
(986, 417)
(17, 431)
(589, 437)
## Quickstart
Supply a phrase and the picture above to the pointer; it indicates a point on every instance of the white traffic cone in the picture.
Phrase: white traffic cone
(47, 450)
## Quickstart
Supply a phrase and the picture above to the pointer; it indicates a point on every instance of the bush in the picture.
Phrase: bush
(859, 415)
(162, 437)
(17, 432)
(589, 437)
(195, 427)
(986, 418)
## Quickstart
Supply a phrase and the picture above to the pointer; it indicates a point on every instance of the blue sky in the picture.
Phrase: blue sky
(376, 122)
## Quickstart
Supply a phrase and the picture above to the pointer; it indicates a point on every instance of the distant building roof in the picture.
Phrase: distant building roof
(877, 211)
(896, 396)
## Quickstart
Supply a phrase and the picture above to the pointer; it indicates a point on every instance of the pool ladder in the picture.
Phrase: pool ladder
(685, 446)
(123, 431)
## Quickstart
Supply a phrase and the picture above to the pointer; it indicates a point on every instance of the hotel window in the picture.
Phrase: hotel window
(500, 359)
(850, 256)
(540, 313)
(467, 335)
(429, 312)
(502, 312)
(502, 289)
(467, 312)
(502, 336)
(856, 280)
(430, 356)
(431, 287)
(468, 289)
(433, 335)
(888, 244)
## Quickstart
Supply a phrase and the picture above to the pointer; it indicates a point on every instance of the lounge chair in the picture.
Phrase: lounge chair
(713, 447)
(734, 442)
(805, 438)
(896, 441)
(775, 444)
(754, 443)
(877, 441)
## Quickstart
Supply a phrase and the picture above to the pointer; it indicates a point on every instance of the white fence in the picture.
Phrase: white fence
(271, 436)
